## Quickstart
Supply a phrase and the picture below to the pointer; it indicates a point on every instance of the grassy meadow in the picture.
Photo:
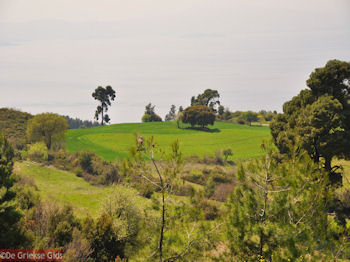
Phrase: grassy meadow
(66, 188)
(114, 141)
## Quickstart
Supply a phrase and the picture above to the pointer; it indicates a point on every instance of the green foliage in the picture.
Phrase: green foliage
(319, 117)
(209, 98)
(85, 161)
(198, 115)
(104, 96)
(172, 114)
(13, 125)
(11, 235)
(38, 151)
(75, 123)
(250, 117)
(103, 239)
(227, 153)
(46, 127)
(277, 212)
(150, 115)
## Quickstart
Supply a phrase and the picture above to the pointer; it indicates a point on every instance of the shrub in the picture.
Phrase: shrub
(85, 161)
(38, 151)
(210, 210)
(195, 176)
(222, 191)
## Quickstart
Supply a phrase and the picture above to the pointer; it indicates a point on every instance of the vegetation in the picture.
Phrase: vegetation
(11, 235)
(104, 96)
(198, 115)
(75, 123)
(209, 98)
(172, 114)
(47, 127)
(319, 118)
(153, 201)
(13, 125)
(150, 115)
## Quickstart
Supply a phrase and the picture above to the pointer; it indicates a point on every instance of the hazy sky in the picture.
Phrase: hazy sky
(256, 53)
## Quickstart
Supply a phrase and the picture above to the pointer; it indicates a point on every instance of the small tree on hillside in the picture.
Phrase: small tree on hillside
(150, 115)
(104, 95)
(250, 117)
(198, 115)
(47, 127)
(172, 114)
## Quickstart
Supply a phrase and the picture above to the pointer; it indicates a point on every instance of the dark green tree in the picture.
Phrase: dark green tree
(104, 95)
(209, 98)
(198, 115)
(181, 109)
(319, 117)
(11, 235)
(172, 114)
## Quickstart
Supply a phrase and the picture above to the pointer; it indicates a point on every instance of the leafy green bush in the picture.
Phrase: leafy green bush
(85, 161)
(38, 151)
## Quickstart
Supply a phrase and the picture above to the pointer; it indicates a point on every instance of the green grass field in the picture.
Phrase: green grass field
(114, 141)
(66, 187)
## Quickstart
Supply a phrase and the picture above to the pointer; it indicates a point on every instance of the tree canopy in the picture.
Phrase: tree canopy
(46, 127)
(104, 95)
(319, 117)
(198, 115)
(209, 98)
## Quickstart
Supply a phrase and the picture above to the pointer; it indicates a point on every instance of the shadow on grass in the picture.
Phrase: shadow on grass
(203, 129)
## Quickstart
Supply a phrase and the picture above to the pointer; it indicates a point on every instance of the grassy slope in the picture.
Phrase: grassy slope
(66, 187)
(114, 141)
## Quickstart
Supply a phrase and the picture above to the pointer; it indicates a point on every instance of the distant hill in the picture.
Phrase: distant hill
(13, 124)
(114, 141)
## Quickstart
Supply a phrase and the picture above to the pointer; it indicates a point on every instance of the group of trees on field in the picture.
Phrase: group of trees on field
(76, 123)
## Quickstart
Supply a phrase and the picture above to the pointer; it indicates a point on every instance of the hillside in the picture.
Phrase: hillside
(114, 141)
(13, 124)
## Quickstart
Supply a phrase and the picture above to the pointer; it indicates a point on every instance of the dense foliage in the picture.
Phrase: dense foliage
(13, 125)
(75, 123)
(198, 115)
(319, 117)
(47, 127)
(150, 115)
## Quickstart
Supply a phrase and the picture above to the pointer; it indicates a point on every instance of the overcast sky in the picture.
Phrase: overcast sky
(256, 53)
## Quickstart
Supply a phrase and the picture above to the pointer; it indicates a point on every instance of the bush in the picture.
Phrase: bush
(146, 118)
(195, 176)
(85, 161)
(38, 151)
(210, 210)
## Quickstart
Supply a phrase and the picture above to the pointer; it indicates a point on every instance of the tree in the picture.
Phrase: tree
(11, 235)
(198, 115)
(209, 98)
(221, 110)
(172, 114)
(161, 172)
(150, 115)
(104, 95)
(46, 127)
(277, 210)
(181, 109)
(319, 117)
(250, 117)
